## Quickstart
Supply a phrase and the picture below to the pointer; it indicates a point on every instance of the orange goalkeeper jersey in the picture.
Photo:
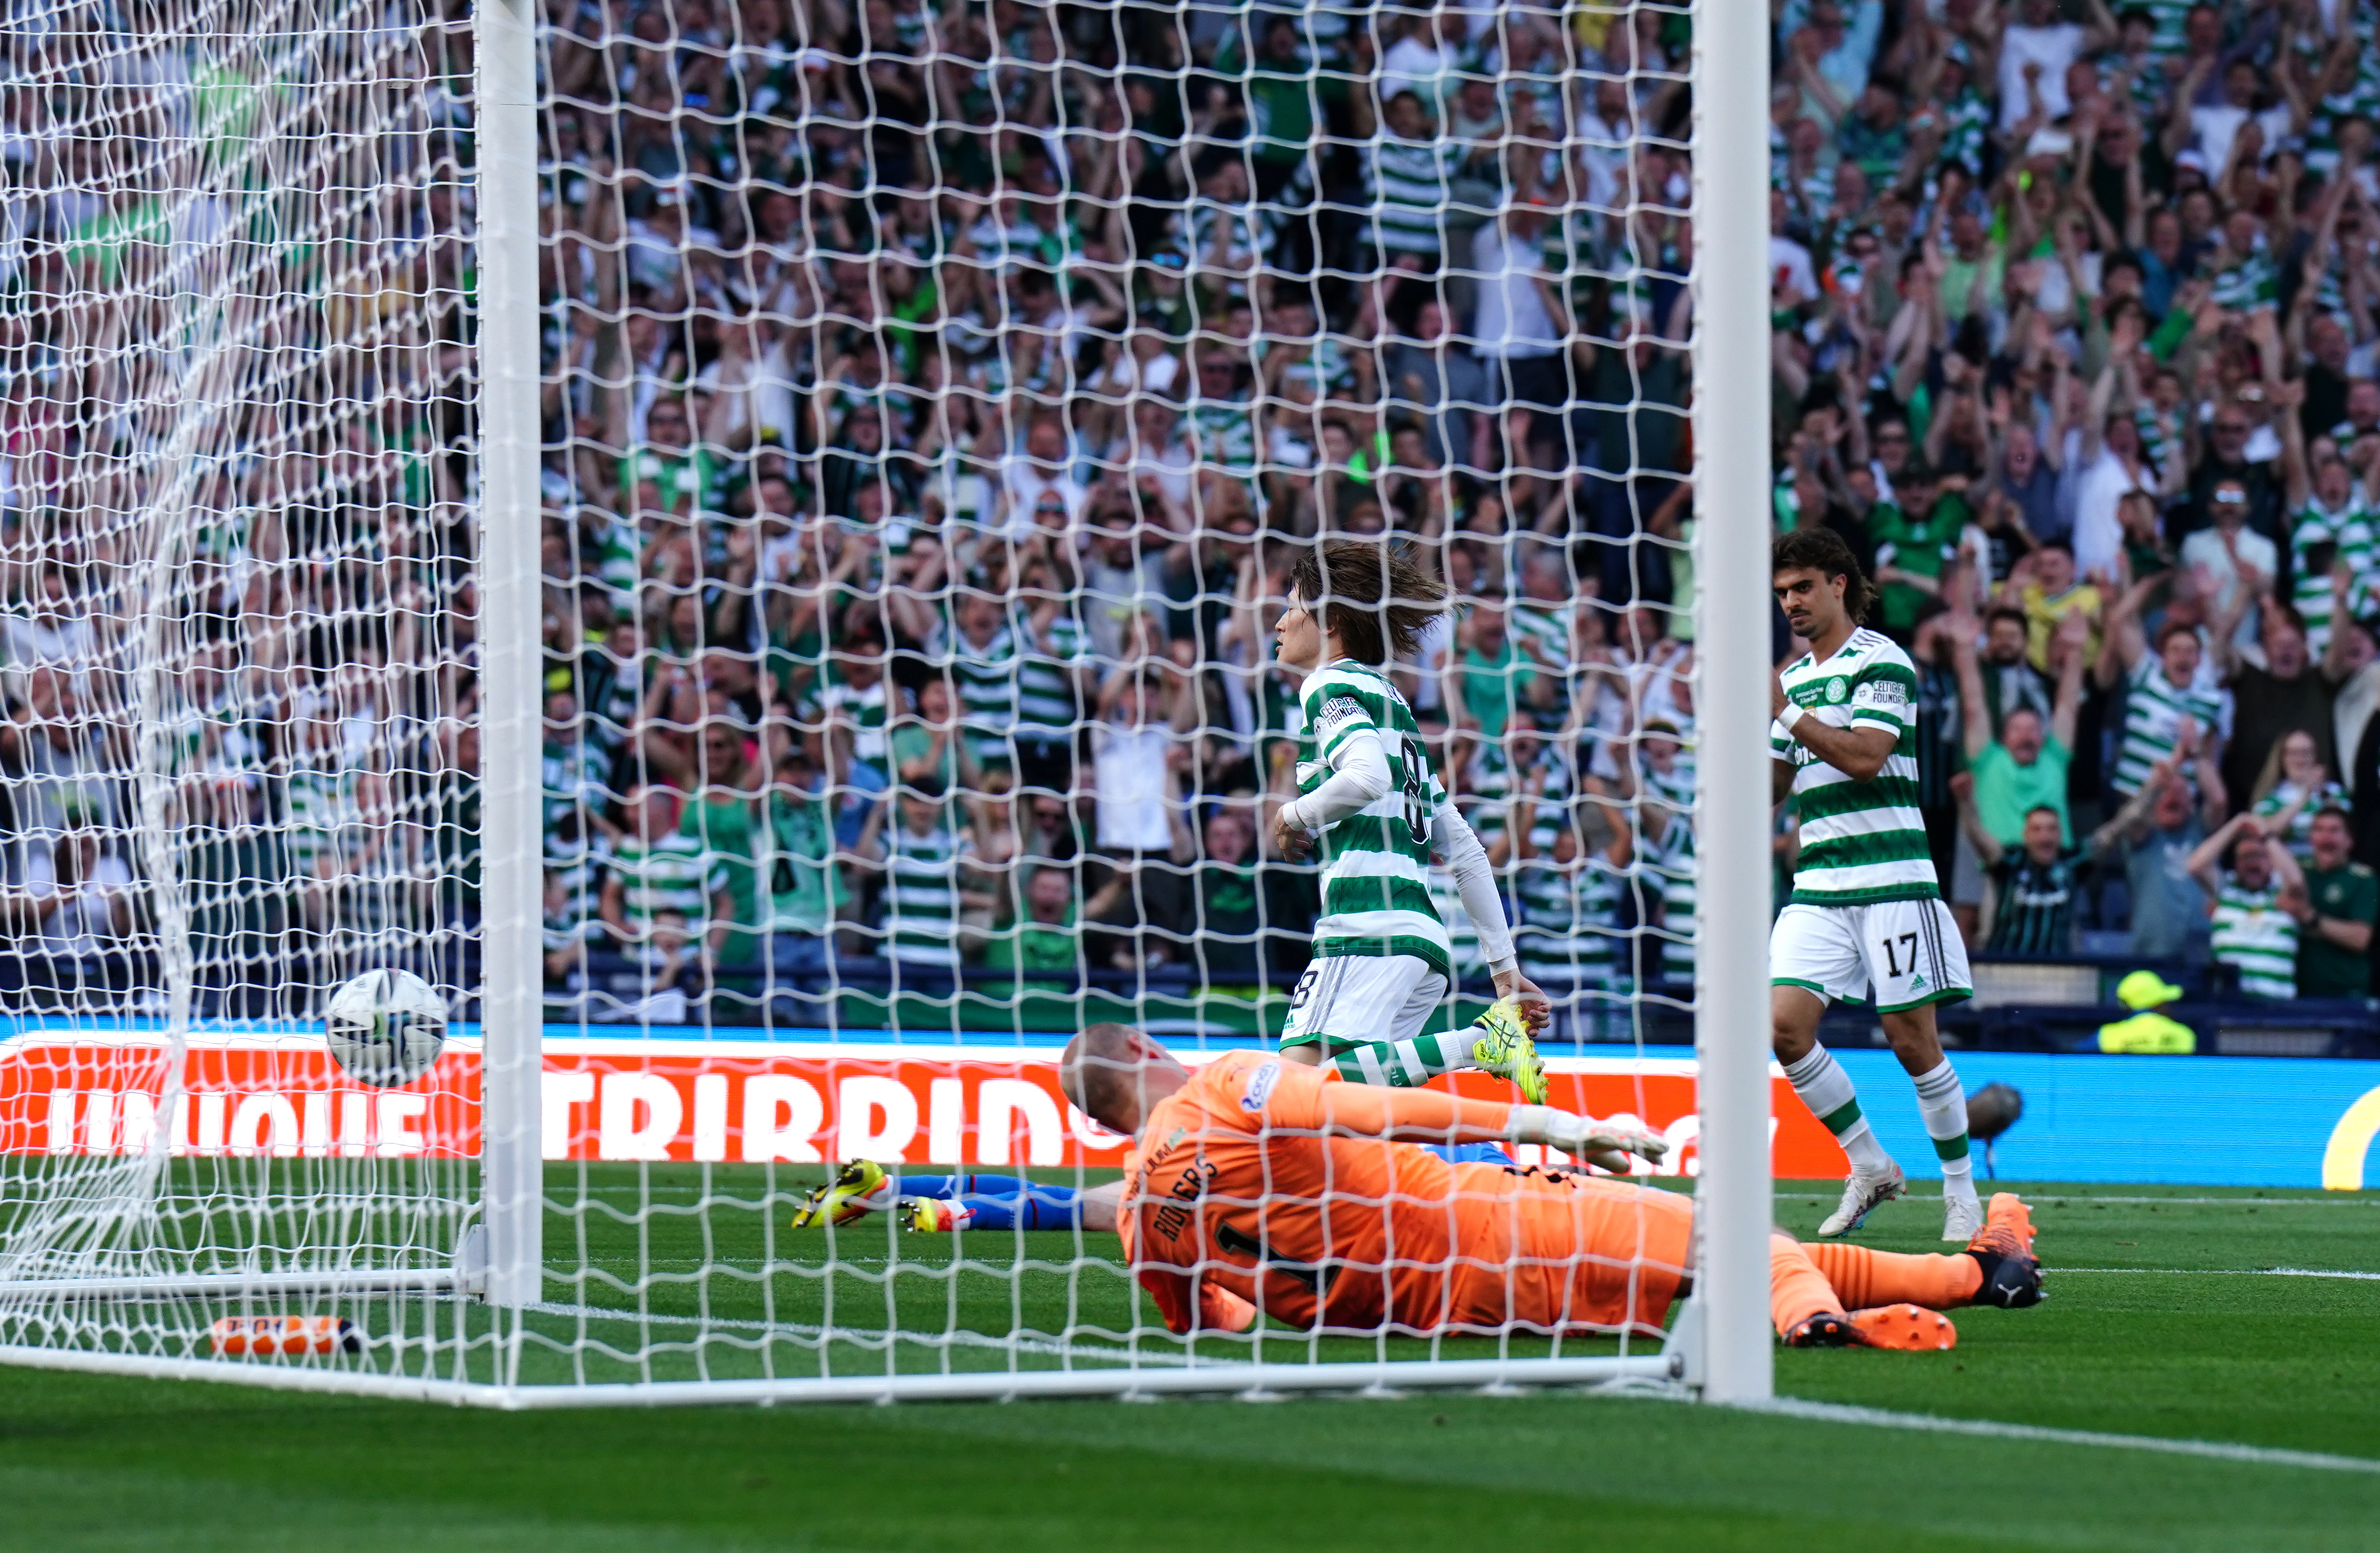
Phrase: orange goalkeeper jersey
(1236, 1196)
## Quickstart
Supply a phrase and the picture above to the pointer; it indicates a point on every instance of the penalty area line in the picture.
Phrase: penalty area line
(2254, 1455)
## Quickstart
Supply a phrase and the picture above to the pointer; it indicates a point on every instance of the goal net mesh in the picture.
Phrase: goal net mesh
(237, 551)
(936, 404)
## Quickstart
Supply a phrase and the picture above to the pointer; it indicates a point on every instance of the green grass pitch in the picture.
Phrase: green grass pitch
(2164, 1320)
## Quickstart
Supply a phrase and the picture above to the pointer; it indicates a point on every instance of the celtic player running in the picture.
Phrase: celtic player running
(1867, 915)
(1381, 964)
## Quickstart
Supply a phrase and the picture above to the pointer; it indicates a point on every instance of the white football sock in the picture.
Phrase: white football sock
(1826, 1090)
(1945, 1106)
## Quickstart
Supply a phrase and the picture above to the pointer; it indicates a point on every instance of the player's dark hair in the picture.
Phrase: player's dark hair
(2049, 809)
(1822, 551)
(2335, 812)
(1375, 597)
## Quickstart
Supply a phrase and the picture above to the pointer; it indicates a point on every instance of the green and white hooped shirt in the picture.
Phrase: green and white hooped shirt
(1862, 841)
(2153, 712)
(1376, 862)
(2256, 938)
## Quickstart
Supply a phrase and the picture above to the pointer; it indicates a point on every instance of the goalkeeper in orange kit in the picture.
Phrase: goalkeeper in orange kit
(1255, 1186)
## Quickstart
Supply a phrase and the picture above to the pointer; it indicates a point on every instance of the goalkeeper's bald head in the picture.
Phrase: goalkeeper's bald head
(1115, 1073)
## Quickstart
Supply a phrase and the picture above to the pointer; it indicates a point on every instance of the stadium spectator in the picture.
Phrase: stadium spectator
(2169, 903)
(944, 397)
(2255, 901)
(2024, 770)
(2341, 901)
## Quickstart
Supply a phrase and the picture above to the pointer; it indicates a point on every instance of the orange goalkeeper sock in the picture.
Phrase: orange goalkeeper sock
(1797, 1290)
(1865, 1277)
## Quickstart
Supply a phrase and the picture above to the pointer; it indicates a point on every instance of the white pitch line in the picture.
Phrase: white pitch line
(2081, 1198)
(2257, 1455)
(930, 1339)
(2228, 1272)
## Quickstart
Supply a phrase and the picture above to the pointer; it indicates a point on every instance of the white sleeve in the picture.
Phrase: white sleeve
(1475, 879)
(1360, 778)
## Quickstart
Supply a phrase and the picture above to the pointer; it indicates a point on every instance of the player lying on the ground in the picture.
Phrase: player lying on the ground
(954, 1202)
(1227, 1216)
(1257, 1187)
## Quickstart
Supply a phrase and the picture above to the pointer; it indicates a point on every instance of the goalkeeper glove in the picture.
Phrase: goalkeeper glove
(1608, 1144)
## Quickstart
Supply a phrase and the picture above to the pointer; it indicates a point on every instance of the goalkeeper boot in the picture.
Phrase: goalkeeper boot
(1862, 1195)
(1905, 1328)
(842, 1199)
(1506, 1048)
(2003, 1248)
(1902, 1326)
(1828, 1329)
(934, 1215)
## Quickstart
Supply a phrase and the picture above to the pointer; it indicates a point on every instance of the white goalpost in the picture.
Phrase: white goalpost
(1732, 503)
(739, 542)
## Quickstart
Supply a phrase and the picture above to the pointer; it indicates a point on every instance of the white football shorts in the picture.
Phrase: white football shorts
(1350, 999)
(1899, 954)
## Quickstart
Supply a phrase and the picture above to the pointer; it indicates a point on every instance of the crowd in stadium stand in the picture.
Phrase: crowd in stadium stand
(939, 396)
(935, 426)
(235, 539)
(2074, 346)
(936, 417)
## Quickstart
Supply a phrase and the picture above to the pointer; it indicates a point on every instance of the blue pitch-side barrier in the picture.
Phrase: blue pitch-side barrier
(2205, 1120)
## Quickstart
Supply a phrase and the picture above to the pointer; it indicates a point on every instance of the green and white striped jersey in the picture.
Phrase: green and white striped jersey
(2256, 938)
(2350, 530)
(674, 872)
(988, 690)
(1672, 862)
(1494, 784)
(578, 916)
(1224, 432)
(2152, 715)
(1569, 932)
(321, 805)
(2170, 19)
(1375, 862)
(1408, 183)
(1046, 700)
(868, 711)
(2299, 837)
(921, 895)
(1462, 938)
(1545, 627)
(2246, 283)
(1672, 789)
(1862, 841)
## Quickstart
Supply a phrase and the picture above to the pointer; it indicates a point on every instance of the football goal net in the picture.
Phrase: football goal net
(622, 620)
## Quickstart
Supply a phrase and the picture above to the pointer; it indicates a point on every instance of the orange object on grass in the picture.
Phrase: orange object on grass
(244, 1336)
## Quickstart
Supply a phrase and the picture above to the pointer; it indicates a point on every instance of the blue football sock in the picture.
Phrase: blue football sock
(1000, 1202)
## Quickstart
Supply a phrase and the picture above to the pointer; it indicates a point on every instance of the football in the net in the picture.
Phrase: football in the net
(386, 1027)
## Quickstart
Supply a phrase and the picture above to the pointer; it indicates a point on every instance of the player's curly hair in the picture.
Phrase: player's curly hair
(1376, 596)
(1823, 552)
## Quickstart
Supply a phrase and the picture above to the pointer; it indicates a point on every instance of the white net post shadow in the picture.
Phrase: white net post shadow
(799, 496)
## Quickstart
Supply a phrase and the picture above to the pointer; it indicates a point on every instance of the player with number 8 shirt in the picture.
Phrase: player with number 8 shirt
(1382, 966)
(1866, 917)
